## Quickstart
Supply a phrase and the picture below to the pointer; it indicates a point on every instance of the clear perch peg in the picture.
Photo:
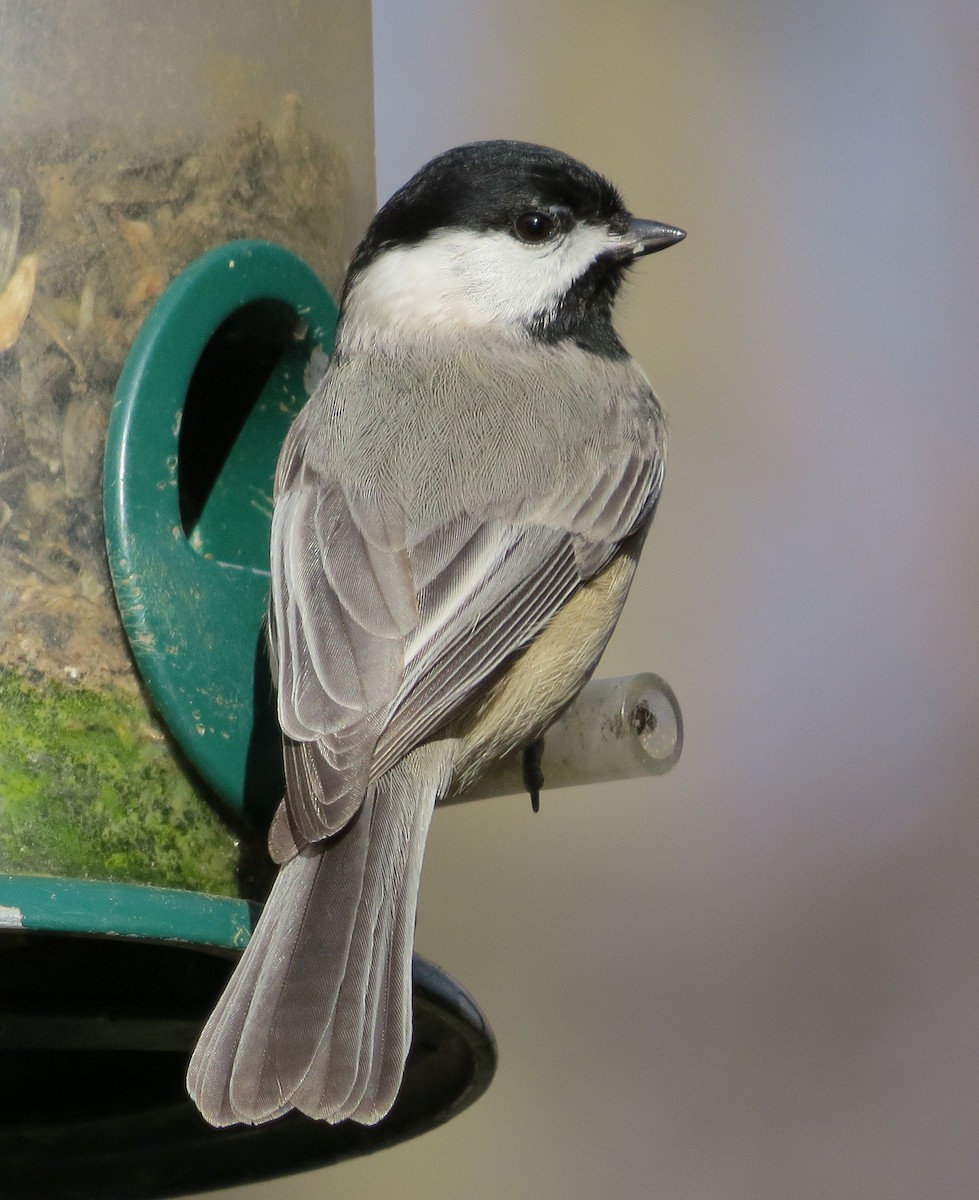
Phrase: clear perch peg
(620, 728)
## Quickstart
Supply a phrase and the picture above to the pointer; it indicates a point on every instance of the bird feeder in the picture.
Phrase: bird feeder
(135, 769)
(172, 233)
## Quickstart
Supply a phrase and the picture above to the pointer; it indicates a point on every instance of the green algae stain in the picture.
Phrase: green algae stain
(90, 789)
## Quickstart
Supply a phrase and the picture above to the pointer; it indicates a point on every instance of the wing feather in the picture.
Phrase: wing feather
(389, 616)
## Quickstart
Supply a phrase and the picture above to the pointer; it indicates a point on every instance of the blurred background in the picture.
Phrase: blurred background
(757, 977)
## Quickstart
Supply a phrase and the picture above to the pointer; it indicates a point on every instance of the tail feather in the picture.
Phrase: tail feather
(356, 1070)
(317, 1015)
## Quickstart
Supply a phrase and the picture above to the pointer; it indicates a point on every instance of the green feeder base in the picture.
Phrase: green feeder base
(96, 1030)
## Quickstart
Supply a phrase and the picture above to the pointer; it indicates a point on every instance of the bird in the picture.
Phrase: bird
(458, 513)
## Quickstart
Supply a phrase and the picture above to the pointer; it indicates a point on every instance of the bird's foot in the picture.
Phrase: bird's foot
(533, 776)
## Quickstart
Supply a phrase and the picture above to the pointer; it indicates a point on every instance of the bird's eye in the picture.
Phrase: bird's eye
(535, 226)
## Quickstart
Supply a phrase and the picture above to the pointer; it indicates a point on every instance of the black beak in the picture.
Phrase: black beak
(646, 237)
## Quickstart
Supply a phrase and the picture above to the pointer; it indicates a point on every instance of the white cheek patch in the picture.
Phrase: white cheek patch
(462, 278)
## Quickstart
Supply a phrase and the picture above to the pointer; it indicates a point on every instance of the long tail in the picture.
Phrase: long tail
(317, 1015)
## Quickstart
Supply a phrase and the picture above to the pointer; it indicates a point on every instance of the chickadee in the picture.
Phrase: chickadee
(459, 510)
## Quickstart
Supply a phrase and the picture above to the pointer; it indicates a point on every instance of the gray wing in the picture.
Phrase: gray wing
(382, 629)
